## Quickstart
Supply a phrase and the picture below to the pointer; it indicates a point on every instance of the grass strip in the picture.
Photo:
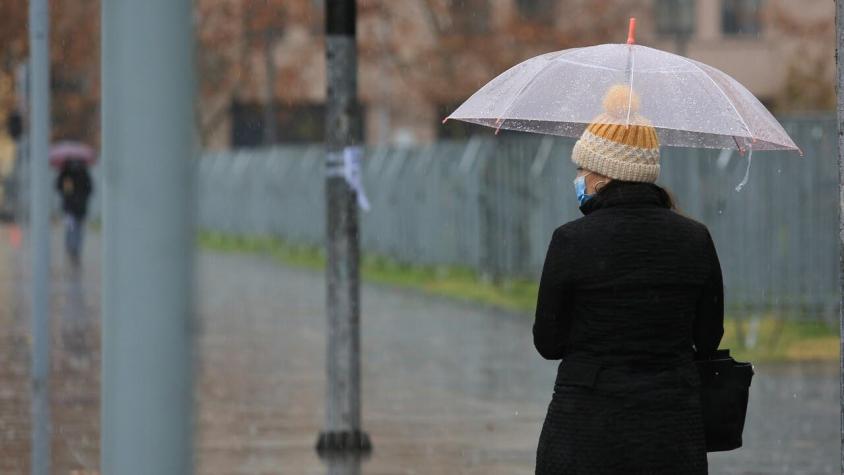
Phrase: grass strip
(760, 338)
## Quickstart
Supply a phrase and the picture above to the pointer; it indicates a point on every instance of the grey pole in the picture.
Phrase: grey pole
(839, 38)
(342, 430)
(39, 114)
(39, 36)
(148, 157)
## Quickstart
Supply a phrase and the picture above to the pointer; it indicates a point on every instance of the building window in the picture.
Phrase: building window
(741, 17)
(247, 125)
(470, 16)
(675, 17)
(541, 11)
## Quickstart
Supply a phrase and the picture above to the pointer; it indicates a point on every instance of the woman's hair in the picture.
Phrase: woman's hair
(665, 196)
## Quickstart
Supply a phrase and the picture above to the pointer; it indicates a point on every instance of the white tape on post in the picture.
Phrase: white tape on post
(352, 157)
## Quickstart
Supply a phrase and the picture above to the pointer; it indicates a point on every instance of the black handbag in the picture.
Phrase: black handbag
(724, 390)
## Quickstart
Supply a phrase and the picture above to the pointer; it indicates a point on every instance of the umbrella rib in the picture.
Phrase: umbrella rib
(730, 102)
(501, 119)
(607, 68)
(586, 65)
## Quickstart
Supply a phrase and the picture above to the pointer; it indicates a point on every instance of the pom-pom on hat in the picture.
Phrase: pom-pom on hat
(619, 143)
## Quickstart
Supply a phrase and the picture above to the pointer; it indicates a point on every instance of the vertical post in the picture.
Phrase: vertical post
(839, 50)
(344, 464)
(39, 36)
(148, 157)
(342, 430)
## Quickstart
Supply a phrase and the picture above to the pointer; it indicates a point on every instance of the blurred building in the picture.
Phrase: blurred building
(783, 51)
(74, 65)
(262, 64)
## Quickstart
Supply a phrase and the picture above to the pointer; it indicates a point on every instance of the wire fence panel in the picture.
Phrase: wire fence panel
(491, 204)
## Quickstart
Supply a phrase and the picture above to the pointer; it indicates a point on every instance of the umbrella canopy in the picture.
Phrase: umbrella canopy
(689, 103)
(67, 151)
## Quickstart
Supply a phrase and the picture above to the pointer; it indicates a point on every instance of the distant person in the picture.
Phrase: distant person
(75, 187)
(630, 295)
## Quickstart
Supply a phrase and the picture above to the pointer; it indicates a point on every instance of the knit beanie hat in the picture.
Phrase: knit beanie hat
(622, 152)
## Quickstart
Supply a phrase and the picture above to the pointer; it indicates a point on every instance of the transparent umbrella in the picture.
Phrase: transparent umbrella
(689, 103)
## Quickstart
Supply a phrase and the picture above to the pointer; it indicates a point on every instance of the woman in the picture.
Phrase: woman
(629, 294)
(75, 187)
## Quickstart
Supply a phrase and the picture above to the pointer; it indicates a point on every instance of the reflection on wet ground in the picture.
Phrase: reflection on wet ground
(14, 364)
(448, 387)
(343, 465)
(74, 381)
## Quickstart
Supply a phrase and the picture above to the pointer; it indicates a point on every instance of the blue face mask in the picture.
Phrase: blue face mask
(580, 189)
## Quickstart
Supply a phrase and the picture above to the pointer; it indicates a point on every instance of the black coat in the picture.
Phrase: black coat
(75, 187)
(626, 291)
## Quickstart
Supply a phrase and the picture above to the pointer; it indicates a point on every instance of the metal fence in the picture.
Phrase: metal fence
(491, 204)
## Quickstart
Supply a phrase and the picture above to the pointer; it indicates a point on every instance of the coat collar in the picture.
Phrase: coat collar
(628, 195)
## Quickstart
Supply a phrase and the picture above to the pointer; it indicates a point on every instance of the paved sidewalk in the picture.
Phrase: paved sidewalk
(449, 388)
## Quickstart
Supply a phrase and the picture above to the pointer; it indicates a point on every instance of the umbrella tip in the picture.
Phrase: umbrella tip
(498, 124)
(631, 31)
(445, 120)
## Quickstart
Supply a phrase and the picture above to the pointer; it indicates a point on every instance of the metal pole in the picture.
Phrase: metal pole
(346, 464)
(148, 150)
(39, 36)
(342, 430)
(839, 28)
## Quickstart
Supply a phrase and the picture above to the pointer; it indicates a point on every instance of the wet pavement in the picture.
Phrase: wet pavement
(448, 388)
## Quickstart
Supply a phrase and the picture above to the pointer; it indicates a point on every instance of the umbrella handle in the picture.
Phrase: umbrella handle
(631, 32)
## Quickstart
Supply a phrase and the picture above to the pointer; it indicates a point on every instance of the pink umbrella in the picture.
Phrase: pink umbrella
(62, 152)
